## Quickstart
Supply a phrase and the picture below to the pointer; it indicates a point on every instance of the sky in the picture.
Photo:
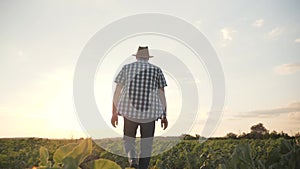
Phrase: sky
(257, 43)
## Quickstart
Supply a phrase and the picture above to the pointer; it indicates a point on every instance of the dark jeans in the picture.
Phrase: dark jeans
(147, 133)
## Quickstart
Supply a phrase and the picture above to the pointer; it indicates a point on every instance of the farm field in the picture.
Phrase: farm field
(189, 153)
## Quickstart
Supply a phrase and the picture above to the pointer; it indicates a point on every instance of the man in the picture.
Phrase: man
(140, 98)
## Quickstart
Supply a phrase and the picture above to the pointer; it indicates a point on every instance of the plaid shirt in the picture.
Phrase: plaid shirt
(140, 96)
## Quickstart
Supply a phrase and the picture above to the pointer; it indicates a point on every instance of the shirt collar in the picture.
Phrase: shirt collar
(142, 61)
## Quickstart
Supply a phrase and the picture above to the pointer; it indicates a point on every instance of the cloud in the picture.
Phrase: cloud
(297, 40)
(294, 116)
(258, 23)
(287, 69)
(227, 33)
(274, 32)
(226, 36)
(291, 109)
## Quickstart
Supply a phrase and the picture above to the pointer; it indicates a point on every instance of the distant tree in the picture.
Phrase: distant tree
(274, 135)
(243, 135)
(297, 135)
(189, 137)
(259, 128)
(231, 135)
(284, 135)
(258, 131)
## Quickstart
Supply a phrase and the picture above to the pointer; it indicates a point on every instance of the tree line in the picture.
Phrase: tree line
(258, 131)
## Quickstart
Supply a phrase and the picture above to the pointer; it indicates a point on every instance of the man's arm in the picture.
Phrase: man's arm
(116, 97)
(163, 99)
(164, 121)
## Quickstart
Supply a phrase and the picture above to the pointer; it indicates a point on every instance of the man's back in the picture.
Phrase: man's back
(139, 98)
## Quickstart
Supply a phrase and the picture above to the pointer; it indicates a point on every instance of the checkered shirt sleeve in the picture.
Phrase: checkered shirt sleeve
(121, 76)
(161, 80)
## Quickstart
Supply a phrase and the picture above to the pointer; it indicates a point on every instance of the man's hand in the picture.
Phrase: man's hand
(164, 123)
(114, 120)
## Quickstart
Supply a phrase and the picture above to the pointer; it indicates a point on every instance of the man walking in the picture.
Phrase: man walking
(140, 98)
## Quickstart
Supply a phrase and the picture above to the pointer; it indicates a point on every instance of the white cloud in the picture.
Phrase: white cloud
(294, 116)
(287, 69)
(274, 32)
(258, 23)
(291, 109)
(227, 33)
(297, 40)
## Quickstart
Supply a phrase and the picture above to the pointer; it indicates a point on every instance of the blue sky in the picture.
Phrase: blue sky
(258, 44)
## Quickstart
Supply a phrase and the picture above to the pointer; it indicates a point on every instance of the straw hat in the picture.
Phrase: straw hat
(142, 52)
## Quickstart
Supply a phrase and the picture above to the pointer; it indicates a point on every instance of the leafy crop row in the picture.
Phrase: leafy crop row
(188, 154)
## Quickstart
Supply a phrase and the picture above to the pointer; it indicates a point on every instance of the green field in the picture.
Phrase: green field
(215, 153)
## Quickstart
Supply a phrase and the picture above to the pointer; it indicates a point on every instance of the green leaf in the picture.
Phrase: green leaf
(81, 151)
(260, 164)
(44, 156)
(241, 157)
(273, 157)
(221, 166)
(69, 163)
(285, 147)
(62, 152)
(44, 167)
(104, 164)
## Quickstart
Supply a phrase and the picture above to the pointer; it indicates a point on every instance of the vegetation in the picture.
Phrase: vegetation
(70, 156)
(258, 149)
